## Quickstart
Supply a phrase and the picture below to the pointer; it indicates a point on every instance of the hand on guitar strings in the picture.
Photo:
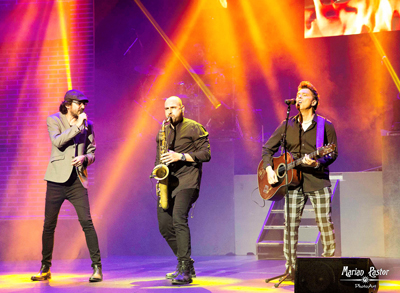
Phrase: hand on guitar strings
(309, 162)
(272, 178)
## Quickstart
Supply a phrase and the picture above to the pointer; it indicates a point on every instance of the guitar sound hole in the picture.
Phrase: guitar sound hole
(281, 171)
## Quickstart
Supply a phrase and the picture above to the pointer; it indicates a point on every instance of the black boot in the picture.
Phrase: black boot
(97, 275)
(184, 276)
(192, 271)
(44, 274)
(175, 273)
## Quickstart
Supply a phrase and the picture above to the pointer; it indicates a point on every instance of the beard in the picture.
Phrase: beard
(75, 113)
(176, 119)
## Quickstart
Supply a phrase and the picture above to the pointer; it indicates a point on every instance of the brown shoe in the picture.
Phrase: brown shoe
(44, 274)
(97, 275)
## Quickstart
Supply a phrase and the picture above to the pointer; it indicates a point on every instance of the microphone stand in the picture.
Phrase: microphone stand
(288, 271)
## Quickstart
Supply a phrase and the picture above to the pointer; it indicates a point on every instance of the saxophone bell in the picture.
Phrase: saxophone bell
(160, 172)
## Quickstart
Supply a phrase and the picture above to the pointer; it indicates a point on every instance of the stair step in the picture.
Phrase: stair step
(281, 227)
(276, 243)
(282, 211)
(274, 249)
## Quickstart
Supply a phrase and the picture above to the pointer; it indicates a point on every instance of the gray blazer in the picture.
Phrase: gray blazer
(67, 143)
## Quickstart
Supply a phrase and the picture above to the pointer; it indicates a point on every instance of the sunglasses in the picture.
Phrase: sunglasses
(79, 103)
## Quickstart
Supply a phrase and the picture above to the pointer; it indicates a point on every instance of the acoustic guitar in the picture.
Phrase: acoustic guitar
(276, 191)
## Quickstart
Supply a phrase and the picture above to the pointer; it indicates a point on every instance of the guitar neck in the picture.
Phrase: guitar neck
(299, 161)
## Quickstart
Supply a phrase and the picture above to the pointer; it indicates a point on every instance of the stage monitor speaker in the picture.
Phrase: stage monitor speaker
(335, 275)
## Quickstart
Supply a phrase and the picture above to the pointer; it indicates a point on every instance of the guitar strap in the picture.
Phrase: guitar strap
(320, 131)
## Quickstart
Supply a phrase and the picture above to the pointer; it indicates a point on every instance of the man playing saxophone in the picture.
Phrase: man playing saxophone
(188, 148)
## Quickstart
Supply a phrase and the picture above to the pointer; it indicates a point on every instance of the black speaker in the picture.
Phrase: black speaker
(335, 275)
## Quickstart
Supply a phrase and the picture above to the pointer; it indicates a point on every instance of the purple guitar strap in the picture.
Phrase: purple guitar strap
(320, 131)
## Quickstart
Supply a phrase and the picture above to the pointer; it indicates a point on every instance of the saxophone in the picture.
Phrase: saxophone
(161, 171)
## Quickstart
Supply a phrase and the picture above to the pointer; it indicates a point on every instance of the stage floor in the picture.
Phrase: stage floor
(146, 274)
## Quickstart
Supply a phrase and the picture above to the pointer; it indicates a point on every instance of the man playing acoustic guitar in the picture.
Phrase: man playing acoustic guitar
(305, 131)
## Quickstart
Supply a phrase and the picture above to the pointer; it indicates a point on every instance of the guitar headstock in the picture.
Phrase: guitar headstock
(326, 150)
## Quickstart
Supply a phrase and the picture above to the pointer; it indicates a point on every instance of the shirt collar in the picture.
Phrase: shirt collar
(177, 125)
(296, 118)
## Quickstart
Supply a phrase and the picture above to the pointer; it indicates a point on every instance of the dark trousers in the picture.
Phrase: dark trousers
(173, 223)
(77, 195)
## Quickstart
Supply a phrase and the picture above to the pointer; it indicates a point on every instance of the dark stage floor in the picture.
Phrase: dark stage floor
(146, 274)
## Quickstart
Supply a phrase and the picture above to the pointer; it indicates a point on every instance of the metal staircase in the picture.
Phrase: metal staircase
(270, 240)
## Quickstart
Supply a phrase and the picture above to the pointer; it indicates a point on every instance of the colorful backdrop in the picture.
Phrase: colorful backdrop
(233, 68)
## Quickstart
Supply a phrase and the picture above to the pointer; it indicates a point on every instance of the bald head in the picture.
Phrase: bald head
(174, 109)
(174, 100)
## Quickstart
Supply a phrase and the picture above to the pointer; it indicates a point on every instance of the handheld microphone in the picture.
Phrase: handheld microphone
(290, 102)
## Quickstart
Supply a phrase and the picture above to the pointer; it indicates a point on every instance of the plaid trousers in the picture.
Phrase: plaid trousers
(321, 201)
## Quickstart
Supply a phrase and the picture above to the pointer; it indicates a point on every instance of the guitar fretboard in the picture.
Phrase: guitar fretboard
(298, 161)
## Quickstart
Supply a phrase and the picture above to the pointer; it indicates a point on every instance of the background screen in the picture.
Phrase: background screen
(342, 17)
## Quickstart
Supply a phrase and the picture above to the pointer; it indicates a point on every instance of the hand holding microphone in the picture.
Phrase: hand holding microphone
(82, 119)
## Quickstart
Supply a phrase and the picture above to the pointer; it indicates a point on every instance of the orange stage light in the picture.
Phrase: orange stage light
(65, 41)
(178, 55)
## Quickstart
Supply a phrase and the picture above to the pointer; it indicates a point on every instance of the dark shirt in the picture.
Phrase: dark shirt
(191, 138)
(300, 143)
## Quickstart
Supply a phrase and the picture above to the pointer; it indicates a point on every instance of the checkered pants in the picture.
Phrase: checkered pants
(321, 200)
